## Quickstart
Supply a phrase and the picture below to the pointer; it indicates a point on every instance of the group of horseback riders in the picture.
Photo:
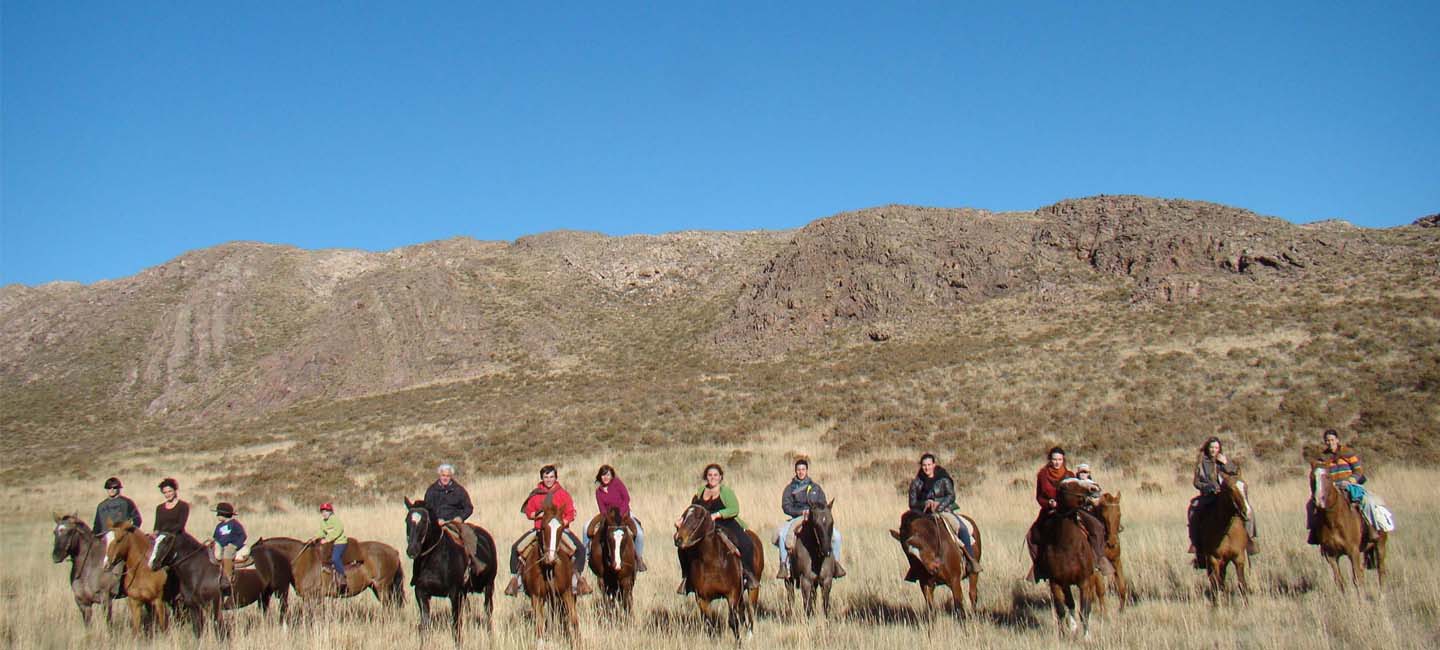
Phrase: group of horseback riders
(932, 492)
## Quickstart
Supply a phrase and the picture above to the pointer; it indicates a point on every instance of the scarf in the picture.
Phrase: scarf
(1056, 475)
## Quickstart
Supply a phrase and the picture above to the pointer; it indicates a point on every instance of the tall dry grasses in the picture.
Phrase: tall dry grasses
(1296, 603)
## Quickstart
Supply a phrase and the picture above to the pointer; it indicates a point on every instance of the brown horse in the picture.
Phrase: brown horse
(548, 573)
(1341, 530)
(1108, 510)
(90, 582)
(812, 563)
(144, 588)
(1067, 560)
(713, 570)
(1220, 537)
(936, 558)
(612, 559)
(368, 565)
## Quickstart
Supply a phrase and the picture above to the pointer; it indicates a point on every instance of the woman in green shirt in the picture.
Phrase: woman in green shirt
(724, 508)
(332, 530)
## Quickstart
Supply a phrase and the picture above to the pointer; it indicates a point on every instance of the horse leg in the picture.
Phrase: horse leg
(807, 594)
(736, 600)
(706, 615)
(422, 601)
(537, 607)
(1090, 590)
(1060, 598)
(825, 594)
(927, 589)
(137, 614)
(1379, 552)
(790, 595)
(1118, 583)
(457, 611)
(1357, 567)
(84, 611)
(572, 616)
(1334, 561)
(1242, 565)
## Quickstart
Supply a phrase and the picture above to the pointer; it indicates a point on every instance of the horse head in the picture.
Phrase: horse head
(694, 525)
(923, 544)
(1235, 489)
(1108, 510)
(118, 542)
(551, 521)
(418, 522)
(162, 550)
(69, 531)
(820, 525)
(1073, 493)
(1319, 478)
(617, 530)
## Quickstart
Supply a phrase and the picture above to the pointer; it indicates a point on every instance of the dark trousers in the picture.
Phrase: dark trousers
(337, 555)
(742, 542)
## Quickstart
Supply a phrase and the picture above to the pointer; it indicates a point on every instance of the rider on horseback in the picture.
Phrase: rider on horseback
(1047, 494)
(1210, 471)
(230, 537)
(724, 508)
(114, 509)
(333, 530)
(534, 509)
(932, 491)
(452, 507)
(795, 503)
(610, 492)
(1342, 465)
(173, 513)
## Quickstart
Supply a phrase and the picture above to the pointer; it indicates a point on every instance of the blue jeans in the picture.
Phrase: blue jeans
(785, 532)
(336, 553)
(639, 538)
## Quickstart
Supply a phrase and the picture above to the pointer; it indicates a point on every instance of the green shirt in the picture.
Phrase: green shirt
(730, 505)
(333, 531)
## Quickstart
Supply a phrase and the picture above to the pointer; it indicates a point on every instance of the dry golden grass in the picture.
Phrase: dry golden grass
(1296, 603)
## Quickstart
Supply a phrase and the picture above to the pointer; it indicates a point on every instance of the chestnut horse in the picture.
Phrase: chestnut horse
(1108, 510)
(812, 563)
(144, 587)
(1341, 530)
(936, 558)
(368, 565)
(90, 582)
(1220, 537)
(714, 571)
(612, 559)
(1068, 560)
(548, 573)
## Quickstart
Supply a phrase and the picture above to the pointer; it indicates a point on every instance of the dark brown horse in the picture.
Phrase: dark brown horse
(1108, 510)
(612, 559)
(144, 588)
(1220, 538)
(548, 573)
(1341, 530)
(441, 570)
(90, 582)
(1067, 560)
(936, 558)
(368, 565)
(812, 563)
(714, 571)
(197, 574)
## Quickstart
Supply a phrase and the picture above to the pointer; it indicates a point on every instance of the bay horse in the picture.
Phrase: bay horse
(144, 587)
(812, 563)
(439, 568)
(1108, 510)
(1068, 560)
(612, 559)
(548, 573)
(936, 558)
(368, 565)
(1340, 528)
(714, 571)
(1220, 538)
(198, 576)
(90, 582)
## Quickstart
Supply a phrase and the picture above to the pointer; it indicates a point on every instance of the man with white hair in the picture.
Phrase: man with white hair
(451, 505)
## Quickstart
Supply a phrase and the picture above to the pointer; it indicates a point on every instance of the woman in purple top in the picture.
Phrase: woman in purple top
(610, 493)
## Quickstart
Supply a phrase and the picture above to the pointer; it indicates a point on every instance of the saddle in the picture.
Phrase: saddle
(353, 553)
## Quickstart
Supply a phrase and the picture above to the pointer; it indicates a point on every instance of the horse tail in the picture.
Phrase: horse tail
(397, 586)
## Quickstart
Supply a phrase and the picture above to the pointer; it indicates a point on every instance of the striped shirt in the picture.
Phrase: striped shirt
(1343, 465)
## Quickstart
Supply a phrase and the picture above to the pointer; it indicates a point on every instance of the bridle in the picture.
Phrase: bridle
(700, 532)
(424, 520)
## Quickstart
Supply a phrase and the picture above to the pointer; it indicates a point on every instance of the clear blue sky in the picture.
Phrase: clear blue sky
(135, 131)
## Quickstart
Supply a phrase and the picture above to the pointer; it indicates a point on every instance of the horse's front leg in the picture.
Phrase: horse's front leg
(572, 616)
(1357, 567)
(537, 607)
(1334, 561)
(457, 612)
(1242, 566)
(1058, 597)
(422, 602)
(1121, 588)
(927, 590)
(736, 600)
(137, 614)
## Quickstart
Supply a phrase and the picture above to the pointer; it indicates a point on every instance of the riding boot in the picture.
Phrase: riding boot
(684, 587)
(784, 572)
(578, 583)
(227, 577)
(514, 587)
(640, 564)
(839, 571)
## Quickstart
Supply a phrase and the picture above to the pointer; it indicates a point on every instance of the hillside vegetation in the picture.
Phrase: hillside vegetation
(1127, 328)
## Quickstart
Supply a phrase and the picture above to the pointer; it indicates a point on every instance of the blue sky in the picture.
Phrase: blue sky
(133, 132)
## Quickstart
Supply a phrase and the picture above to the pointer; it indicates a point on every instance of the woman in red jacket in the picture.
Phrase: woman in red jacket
(533, 508)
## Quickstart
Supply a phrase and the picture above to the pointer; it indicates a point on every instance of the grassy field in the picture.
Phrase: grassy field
(1296, 603)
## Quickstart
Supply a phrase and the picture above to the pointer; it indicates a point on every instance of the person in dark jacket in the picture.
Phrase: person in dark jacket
(230, 537)
(173, 513)
(451, 505)
(795, 502)
(932, 491)
(115, 509)
(1212, 468)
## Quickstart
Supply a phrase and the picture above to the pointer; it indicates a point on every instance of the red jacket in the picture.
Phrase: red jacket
(536, 502)
(1047, 489)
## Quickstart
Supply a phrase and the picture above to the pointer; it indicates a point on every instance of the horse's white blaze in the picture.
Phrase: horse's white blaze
(155, 548)
(618, 535)
(913, 551)
(109, 537)
(1318, 485)
(1244, 495)
(60, 528)
(415, 517)
(554, 533)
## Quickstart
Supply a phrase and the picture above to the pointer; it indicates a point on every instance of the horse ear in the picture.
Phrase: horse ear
(408, 503)
(831, 505)
(896, 534)
(57, 516)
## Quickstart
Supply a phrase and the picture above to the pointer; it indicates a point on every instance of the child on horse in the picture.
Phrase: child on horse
(230, 537)
(333, 530)
(533, 508)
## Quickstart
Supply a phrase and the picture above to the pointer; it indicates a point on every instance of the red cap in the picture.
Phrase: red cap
(327, 506)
